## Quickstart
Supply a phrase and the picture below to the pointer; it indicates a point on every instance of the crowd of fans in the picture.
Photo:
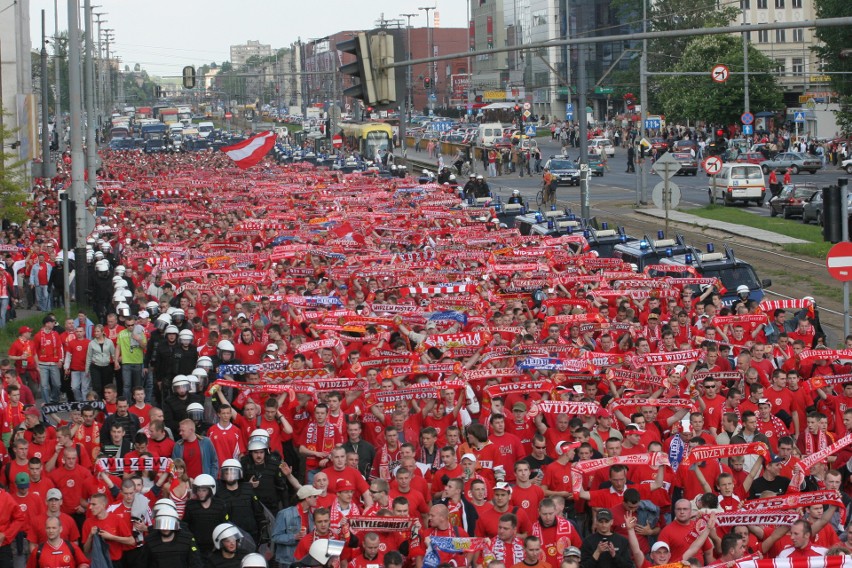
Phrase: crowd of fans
(298, 367)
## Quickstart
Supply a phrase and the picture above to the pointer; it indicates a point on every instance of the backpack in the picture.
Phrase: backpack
(41, 547)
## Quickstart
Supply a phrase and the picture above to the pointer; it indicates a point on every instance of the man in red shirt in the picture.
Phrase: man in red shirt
(508, 446)
(339, 470)
(56, 551)
(75, 364)
(317, 441)
(226, 438)
(74, 481)
(48, 357)
(22, 352)
(69, 529)
(114, 528)
(800, 535)
(682, 532)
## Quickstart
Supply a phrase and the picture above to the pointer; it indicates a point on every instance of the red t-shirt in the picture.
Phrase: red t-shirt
(349, 474)
(74, 484)
(527, 499)
(192, 457)
(681, 537)
(141, 413)
(59, 557)
(117, 524)
(228, 442)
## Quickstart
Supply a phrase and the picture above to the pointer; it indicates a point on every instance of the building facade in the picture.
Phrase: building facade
(241, 53)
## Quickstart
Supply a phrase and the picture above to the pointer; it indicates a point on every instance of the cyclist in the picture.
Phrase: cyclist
(548, 186)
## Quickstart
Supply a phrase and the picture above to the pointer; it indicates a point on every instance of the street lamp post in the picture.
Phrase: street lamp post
(431, 72)
(408, 84)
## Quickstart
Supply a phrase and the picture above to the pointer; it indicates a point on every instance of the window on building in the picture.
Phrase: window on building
(761, 4)
(780, 36)
(798, 66)
(779, 4)
(763, 36)
(796, 3)
(780, 66)
(539, 18)
(799, 35)
(745, 4)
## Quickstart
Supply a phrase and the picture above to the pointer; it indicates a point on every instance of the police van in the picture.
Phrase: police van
(725, 266)
(554, 222)
(604, 240)
(650, 251)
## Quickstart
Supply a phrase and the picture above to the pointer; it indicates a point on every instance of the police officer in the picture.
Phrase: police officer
(516, 197)
(169, 545)
(262, 468)
(481, 189)
(204, 513)
(226, 539)
(244, 507)
(470, 187)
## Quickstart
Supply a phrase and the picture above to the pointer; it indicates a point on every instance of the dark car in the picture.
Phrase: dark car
(791, 201)
(154, 146)
(688, 163)
(596, 165)
(564, 169)
(812, 210)
(685, 146)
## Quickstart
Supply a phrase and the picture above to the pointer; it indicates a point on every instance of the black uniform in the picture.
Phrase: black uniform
(217, 560)
(245, 510)
(180, 552)
(272, 491)
(174, 409)
(202, 521)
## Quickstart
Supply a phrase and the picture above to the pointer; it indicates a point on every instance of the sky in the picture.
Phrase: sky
(164, 36)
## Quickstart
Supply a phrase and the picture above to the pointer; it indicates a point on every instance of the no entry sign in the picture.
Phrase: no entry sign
(839, 262)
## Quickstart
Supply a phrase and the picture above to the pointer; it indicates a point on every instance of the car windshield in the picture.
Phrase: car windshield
(733, 276)
(804, 192)
(561, 165)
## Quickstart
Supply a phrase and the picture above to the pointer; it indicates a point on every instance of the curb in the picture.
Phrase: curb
(734, 229)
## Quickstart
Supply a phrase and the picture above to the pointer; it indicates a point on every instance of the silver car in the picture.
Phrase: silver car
(794, 161)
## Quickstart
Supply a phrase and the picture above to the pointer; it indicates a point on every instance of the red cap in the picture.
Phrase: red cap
(32, 411)
(603, 413)
(343, 485)
(24, 329)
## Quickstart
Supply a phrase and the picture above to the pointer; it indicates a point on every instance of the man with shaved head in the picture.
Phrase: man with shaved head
(682, 532)
(439, 525)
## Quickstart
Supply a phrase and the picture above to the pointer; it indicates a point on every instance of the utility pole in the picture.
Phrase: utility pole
(408, 83)
(107, 102)
(57, 63)
(642, 198)
(431, 67)
(584, 130)
(746, 99)
(91, 123)
(99, 100)
(45, 133)
(78, 189)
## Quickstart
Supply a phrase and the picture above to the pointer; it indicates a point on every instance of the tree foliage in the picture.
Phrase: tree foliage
(835, 53)
(13, 181)
(697, 97)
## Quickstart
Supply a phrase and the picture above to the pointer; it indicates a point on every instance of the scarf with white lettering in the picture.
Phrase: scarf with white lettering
(515, 551)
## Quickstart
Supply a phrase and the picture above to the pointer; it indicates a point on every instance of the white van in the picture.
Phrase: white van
(489, 133)
(601, 146)
(738, 182)
(205, 128)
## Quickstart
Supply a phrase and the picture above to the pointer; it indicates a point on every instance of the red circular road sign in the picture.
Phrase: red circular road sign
(337, 140)
(719, 73)
(228, 115)
(839, 262)
(712, 165)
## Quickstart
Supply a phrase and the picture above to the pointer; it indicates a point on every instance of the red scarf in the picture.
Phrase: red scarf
(312, 442)
(516, 552)
(337, 515)
(387, 461)
(822, 442)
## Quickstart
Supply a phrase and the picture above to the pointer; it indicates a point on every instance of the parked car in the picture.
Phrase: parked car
(847, 165)
(750, 158)
(794, 161)
(791, 200)
(688, 163)
(601, 146)
(565, 170)
(812, 210)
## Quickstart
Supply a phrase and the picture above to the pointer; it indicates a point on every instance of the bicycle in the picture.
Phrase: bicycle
(546, 195)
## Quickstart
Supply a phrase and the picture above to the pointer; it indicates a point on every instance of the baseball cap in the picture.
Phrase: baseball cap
(54, 494)
(306, 491)
(633, 427)
(603, 413)
(660, 544)
(573, 551)
(503, 486)
(776, 459)
(22, 479)
(519, 406)
(654, 316)
(604, 515)
(343, 485)
(764, 401)
(470, 457)
(24, 329)
(32, 411)
(144, 314)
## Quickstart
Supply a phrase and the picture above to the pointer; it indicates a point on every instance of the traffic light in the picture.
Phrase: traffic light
(158, 91)
(375, 85)
(188, 77)
(832, 214)
(517, 109)
(427, 83)
(720, 133)
(361, 69)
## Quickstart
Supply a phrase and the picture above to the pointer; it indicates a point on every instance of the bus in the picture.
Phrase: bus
(367, 138)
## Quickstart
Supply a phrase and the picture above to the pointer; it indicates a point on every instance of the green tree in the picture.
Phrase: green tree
(697, 97)
(13, 181)
(837, 57)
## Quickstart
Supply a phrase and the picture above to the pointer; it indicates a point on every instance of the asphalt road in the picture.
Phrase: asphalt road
(617, 185)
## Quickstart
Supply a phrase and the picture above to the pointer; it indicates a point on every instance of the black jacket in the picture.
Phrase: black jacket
(181, 552)
(622, 558)
(272, 491)
(202, 521)
(245, 510)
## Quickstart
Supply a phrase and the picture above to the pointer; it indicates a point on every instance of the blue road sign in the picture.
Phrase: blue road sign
(652, 123)
(747, 118)
(530, 130)
(799, 117)
(748, 129)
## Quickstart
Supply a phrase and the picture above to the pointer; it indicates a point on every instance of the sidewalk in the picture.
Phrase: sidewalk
(739, 230)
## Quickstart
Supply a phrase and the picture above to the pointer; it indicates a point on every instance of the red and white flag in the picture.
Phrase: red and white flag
(251, 151)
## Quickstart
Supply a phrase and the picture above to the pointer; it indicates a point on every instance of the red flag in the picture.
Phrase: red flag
(251, 151)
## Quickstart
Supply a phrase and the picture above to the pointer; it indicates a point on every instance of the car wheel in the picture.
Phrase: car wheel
(786, 213)
(849, 169)
(772, 211)
(794, 169)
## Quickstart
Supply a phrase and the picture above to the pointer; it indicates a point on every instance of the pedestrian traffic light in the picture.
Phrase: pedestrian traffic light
(427, 82)
(832, 214)
(517, 109)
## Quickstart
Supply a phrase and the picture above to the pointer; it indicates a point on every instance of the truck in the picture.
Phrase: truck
(185, 115)
(143, 112)
(154, 131)
(169, 115)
